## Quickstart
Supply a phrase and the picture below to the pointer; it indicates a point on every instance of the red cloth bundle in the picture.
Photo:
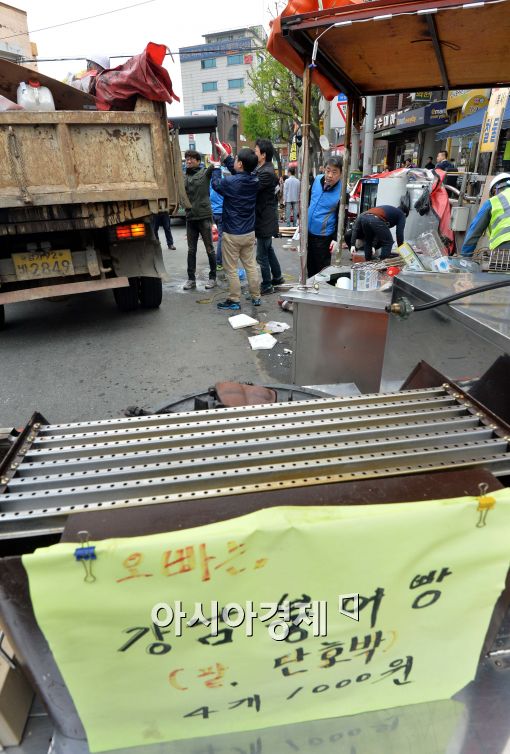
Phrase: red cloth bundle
(142, 75)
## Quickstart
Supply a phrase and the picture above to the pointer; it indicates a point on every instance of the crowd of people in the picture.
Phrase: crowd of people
(241, 197)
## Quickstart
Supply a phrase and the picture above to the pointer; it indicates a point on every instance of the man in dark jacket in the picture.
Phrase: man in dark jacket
(198, 217)
(443, 163)
(373, 227)
(239, 192)
(266, 217)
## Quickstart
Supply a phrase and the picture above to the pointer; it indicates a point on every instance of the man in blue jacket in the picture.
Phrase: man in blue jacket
(323, 215)
(239, 192)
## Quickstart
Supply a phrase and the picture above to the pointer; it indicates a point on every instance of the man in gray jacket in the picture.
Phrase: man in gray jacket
(198, 217)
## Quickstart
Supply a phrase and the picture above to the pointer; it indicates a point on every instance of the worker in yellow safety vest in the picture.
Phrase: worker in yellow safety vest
(494, 215)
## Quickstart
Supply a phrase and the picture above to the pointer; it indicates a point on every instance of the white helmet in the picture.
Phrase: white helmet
(503, 178)
(102, 60)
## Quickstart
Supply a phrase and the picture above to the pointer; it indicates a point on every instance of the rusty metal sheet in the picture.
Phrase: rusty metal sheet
(66, 97)
(78, 157)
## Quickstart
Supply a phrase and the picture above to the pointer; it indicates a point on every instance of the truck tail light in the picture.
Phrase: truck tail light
(135, 230)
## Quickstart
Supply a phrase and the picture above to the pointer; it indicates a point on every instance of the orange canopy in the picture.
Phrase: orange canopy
(388, 46)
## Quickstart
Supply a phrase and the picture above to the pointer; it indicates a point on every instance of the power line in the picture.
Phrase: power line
(76, 21)
(230, 51)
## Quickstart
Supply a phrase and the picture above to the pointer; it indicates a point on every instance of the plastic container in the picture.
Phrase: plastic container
(242, 273)
(33, 96)
(430, 244)
(409, 256)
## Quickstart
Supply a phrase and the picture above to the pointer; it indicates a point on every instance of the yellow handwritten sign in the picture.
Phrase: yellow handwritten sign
(260, 633)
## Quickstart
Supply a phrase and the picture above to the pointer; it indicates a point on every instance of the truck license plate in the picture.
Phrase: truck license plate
(32, 265)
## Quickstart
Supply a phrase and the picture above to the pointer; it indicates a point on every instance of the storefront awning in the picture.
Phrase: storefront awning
(387, 133)
(471, 125)
(384, 47)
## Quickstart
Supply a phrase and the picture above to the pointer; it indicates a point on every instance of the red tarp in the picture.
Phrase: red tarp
(142, 75)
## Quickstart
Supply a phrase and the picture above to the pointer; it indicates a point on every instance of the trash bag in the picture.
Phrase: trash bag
(142, 75)
(405, 203)
(422, 204)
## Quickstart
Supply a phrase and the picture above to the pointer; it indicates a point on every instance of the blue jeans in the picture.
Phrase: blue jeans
(162, 219)
(268, 261)
(291, 207)
(218, 221)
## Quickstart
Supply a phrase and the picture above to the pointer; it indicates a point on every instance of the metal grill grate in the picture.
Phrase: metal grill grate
(499, 260)
(68, 468)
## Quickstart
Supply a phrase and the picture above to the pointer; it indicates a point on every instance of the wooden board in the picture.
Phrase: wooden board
(66, 97)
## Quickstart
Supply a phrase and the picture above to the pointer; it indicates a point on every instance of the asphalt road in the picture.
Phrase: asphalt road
(80, 358)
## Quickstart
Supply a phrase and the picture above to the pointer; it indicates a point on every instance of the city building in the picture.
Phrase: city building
(217, 71)
(406, 127)
(15, 44)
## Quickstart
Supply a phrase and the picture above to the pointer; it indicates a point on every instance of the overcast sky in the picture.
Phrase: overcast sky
(175, 23)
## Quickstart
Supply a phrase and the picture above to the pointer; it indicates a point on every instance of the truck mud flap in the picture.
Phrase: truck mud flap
(138, 259)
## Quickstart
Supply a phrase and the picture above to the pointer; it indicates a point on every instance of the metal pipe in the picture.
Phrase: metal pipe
(305, 152)
(337, 261)
(368, 146)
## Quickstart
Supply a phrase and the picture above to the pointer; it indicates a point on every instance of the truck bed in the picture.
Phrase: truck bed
(72, 157)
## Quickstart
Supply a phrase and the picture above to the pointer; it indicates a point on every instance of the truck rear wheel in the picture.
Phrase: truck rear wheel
(151, 292)
(127, 298)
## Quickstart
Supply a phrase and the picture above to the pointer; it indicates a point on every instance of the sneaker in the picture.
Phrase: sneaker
(219, 267)
(189, 285)
(266, 291)
(280, 281)
(171, 247)
(229, 304)
(211, 283)
(256, 301)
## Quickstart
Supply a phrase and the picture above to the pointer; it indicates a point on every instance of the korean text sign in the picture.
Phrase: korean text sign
(427, 579)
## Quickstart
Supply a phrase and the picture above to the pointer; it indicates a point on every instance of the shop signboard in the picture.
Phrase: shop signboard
(431, 115)
(457, 97)
(388, 120)
(473, 104)
(422, 96)
(489, 136)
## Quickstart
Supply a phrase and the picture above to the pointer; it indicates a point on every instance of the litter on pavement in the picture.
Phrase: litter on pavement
(259, 342)
(242, 320)
(275, 327)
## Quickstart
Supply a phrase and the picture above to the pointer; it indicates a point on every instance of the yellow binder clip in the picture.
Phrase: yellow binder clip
(485, 504)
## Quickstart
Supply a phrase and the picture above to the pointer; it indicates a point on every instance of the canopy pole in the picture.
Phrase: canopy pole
(305, 159)
(345, 178)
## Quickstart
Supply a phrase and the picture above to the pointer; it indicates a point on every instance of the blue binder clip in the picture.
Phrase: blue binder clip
(85, 554)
